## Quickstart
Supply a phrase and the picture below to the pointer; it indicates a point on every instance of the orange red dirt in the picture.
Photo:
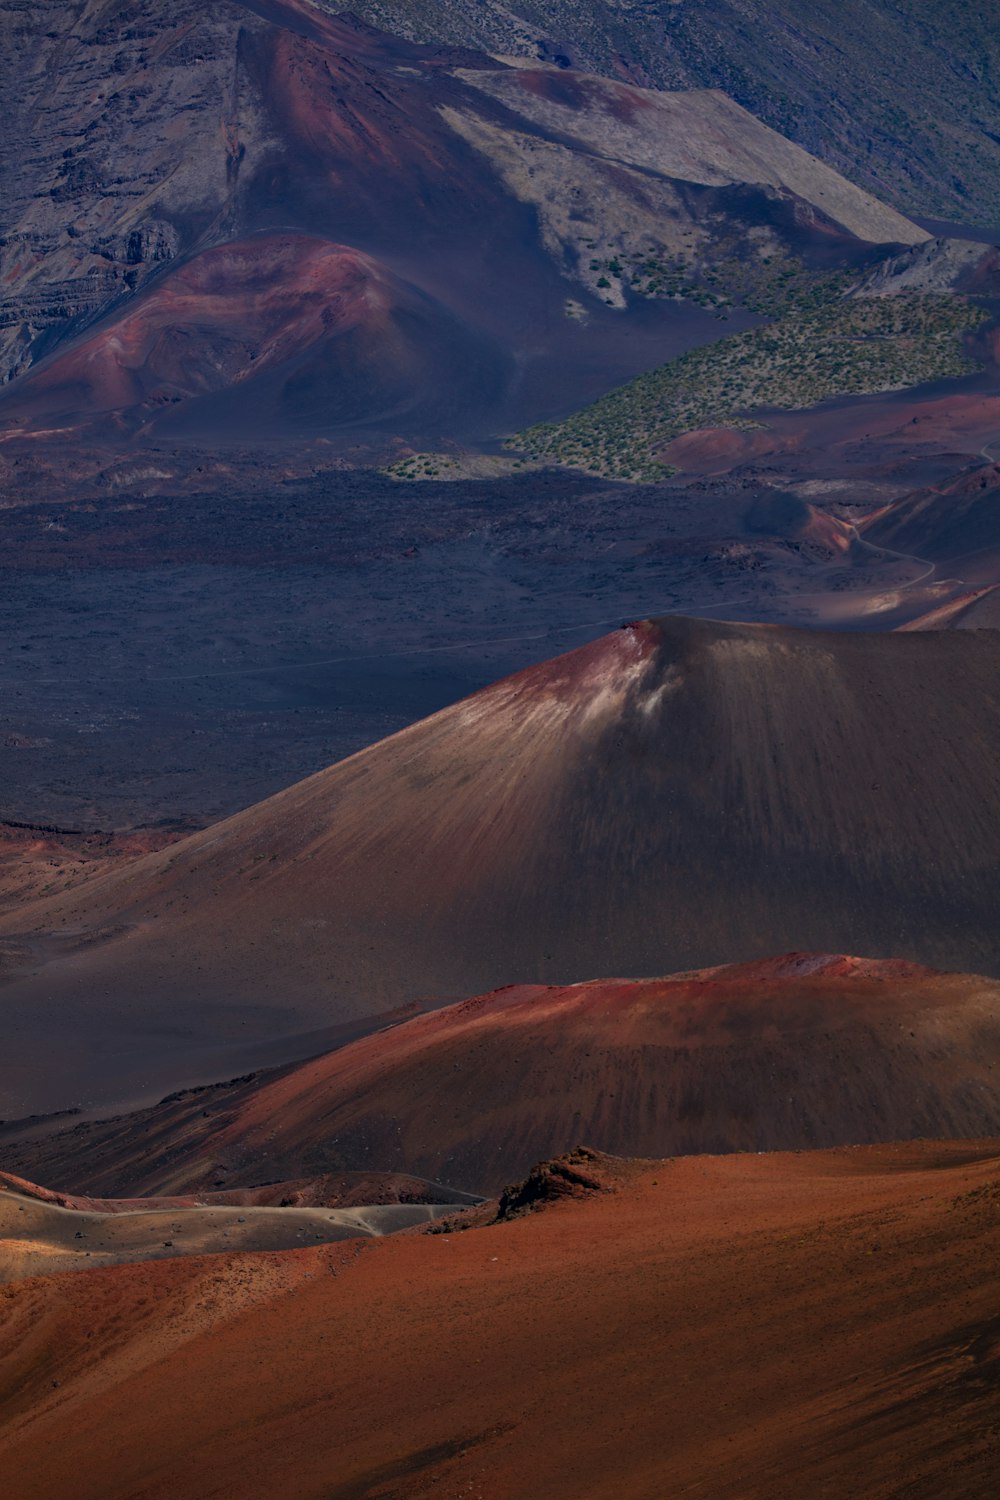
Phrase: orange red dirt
(754, 1327)
(803, 1051)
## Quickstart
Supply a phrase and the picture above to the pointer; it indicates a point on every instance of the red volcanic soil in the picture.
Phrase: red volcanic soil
(803, 1051)
(716, 450)
(677, 794)
(284, 330)
(750, 1328)
(867, 436)
(257, 302)
(889, 425)
(33, 859)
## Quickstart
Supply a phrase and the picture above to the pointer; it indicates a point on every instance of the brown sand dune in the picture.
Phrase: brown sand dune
(798, 1052)
(39, 1237)
(750, 1328)
(677, 794)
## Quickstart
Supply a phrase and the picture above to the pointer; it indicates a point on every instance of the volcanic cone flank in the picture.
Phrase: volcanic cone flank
(676, 794)
(803, 1051)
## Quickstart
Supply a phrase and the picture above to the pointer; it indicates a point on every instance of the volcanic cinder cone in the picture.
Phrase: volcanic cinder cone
(678, 794)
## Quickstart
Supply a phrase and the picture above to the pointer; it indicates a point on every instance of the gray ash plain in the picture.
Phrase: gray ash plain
(176, 656)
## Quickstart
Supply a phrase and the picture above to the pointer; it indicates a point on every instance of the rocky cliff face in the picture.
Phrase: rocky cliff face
(130, 124)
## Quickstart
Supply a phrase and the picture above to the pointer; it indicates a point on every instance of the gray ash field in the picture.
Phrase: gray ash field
(176, 656)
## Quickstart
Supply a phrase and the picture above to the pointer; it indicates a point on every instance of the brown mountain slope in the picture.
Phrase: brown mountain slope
(698, 136)
(677, 794)
(802, 1051)
(750, 1328)
(968, 609)
(896, 93)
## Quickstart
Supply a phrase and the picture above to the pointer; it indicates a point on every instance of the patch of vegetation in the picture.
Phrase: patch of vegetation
(422, 466)
(452, 466)
(850, 346)
(766, 284)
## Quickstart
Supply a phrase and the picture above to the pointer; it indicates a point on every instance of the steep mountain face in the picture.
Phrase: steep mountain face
(131, 127)
(680, 793)
(900, 95)
(567, 231)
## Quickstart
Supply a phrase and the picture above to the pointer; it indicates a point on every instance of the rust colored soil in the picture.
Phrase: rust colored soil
(796, 1052)
(815, 1324)
(33, 860)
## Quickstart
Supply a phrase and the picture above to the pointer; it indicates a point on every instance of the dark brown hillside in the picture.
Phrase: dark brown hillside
(294, 333)
(956, 525)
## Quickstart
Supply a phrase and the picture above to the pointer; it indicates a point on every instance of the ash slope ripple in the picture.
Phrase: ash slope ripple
(850, 1295)
(676, 794)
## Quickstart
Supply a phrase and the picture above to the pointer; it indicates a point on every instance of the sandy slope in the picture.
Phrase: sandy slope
(330, 1190)
(278, 331)
(753, 1327)
(696, 135)
(956, 525)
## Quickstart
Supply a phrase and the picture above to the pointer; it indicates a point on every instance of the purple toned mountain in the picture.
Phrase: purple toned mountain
(513, 220)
